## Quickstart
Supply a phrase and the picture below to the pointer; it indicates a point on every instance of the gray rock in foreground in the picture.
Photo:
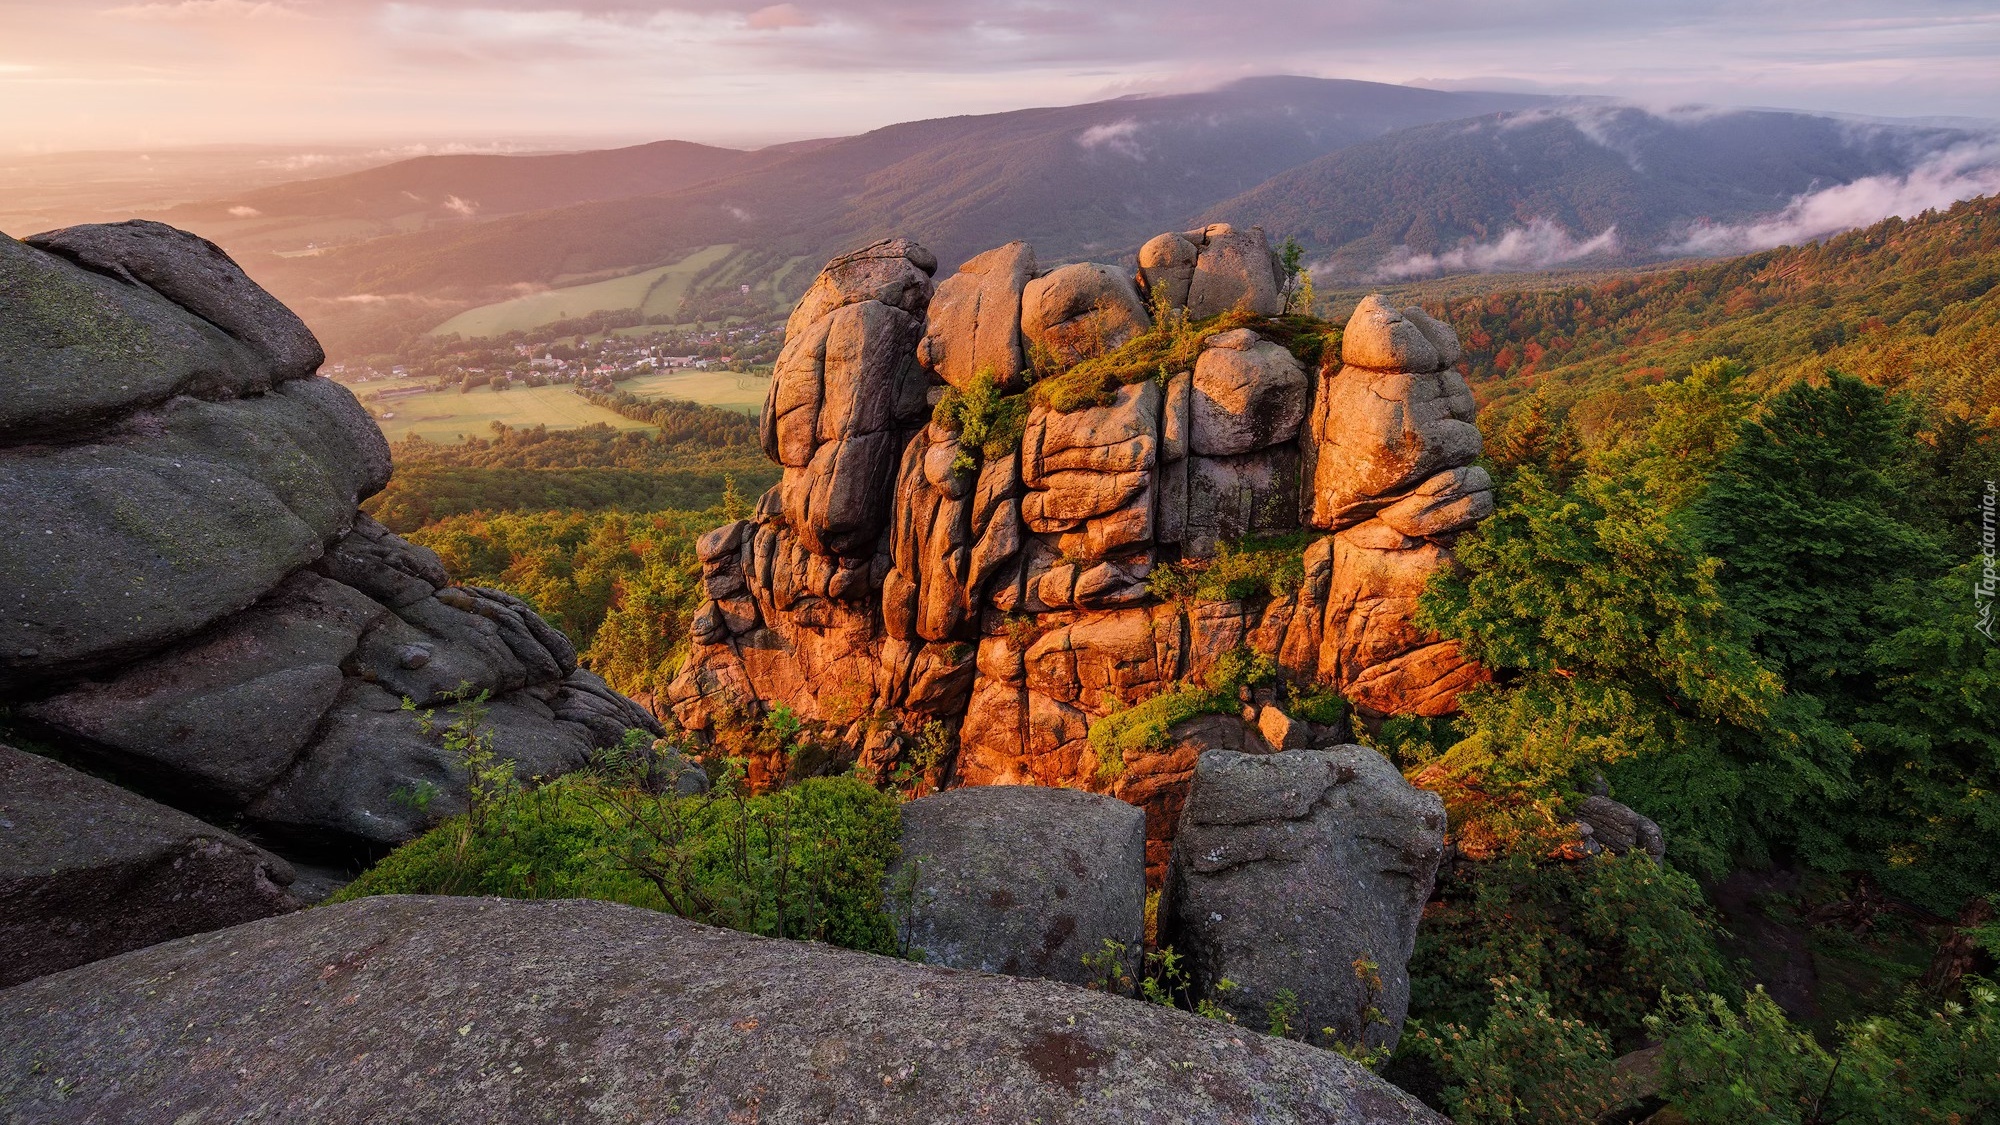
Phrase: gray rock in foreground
(407, 1009)
(1294, 872)
(1022, 880)
(88, 870)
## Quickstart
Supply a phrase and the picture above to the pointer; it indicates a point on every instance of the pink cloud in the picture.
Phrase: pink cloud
(779, 16)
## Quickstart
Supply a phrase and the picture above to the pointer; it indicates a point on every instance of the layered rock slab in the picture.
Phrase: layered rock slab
(1021, 880)
(584, 1009)
(1304, 872)
(88, 870)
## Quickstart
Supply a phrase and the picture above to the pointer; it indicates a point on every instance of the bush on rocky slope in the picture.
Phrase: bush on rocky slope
(804, 862)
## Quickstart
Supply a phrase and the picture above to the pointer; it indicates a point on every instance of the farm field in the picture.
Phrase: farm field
(730, 390)
(449, 417)
(656, 291)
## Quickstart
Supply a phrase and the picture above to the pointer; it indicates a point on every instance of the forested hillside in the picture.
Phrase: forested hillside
(1910, 305)
(688, 463)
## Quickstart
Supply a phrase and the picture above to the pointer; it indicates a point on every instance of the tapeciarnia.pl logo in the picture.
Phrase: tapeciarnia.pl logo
(1989, 580)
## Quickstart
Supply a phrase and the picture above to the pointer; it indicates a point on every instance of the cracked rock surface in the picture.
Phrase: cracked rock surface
(593, 1011)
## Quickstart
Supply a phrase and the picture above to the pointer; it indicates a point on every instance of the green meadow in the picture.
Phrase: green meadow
(450, 416)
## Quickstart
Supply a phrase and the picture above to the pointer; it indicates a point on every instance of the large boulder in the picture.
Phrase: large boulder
(1609, 826)
(1379, 434)
(88, 870)
(894, 272)
(182, 515)
(1382, 337)
(1233, 270)
(192, 597)
(844, 383)
(470, 1010)
(974, 323)
(1089, 474)
(1249, 394)
(1078, 311)
(1304, 872)
(1022, 880)
(1166, 267)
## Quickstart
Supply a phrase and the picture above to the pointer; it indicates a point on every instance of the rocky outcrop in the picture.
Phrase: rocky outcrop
(1389, 456)
(1212, 271)
(192, 596)
(1608, 826)
(1007, 592)
(1022, 880)
(1304, 872)
(88, 870)
(591, 1010)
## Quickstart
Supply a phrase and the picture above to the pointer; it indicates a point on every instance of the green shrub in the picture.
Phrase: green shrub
(1251, 567)
(803, 862)
(1315, 704)
(1602, 937)
(1526, 1065)
(1144, 725)
(1937, 1062)
(985, 420)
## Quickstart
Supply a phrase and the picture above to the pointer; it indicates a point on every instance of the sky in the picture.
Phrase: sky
(78, 74)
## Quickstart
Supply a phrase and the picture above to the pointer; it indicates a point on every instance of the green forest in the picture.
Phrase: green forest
(1733, 582)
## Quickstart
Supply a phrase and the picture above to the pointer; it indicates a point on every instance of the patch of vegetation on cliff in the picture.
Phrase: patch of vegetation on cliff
(1254, 566)
(1145, 725)
(1170, 346)
(803, 862)
(984, 420)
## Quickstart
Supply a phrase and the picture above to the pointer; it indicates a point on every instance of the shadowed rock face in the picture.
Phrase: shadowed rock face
(1022, 880)
(192, 596)
(907, 578)
(407, 1009)
(88, 870)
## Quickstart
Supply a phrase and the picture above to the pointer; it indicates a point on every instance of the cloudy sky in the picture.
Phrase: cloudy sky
(91, 73)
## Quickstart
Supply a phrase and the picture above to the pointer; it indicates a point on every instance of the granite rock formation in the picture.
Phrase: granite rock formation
(409, 1009)
(88, 870)
(1304, 872)
(898, 578)
(192, 596)
(1021, 879)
